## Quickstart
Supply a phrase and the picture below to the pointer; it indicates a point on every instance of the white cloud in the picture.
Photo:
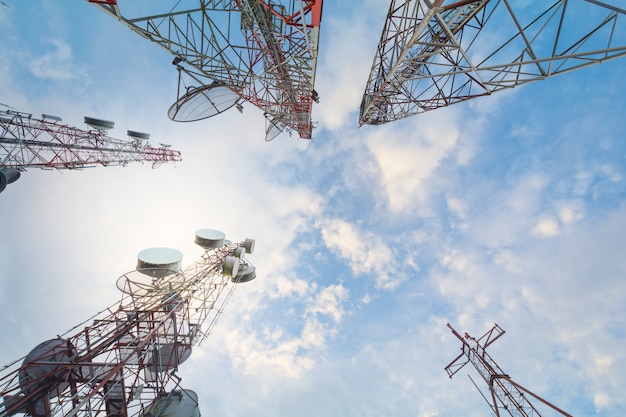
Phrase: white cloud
(546, 227)
(569, 214)
(329, 302)
(407, 157)
(343, 69)
(364, 251)
(56, 64)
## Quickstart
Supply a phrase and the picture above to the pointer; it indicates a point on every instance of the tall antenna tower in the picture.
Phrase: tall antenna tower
(433, 53)
(505, 393)
(260, 51)
(28, 142)
(124, 360)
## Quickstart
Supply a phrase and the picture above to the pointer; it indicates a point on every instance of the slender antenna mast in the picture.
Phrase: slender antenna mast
(123, 362)
(505, 393)
(29, 142)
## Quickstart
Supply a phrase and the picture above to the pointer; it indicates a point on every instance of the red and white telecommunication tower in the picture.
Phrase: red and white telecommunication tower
(229, 51)
(123, 361)
(29, 142)
(433, 53)
(506, 394)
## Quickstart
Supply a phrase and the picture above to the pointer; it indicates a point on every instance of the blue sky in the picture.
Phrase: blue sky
(509, 209)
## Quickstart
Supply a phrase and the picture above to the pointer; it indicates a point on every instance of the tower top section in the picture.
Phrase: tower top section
(435, 53)
(263, 52)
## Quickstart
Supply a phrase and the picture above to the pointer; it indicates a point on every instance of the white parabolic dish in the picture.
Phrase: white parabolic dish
(180, 403)
(209, 238)
(159, 262)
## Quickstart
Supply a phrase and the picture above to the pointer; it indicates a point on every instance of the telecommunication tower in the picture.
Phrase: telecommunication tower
(28, 142)
(505, 393)
(124, 360)
(229, 51)
(433, 53)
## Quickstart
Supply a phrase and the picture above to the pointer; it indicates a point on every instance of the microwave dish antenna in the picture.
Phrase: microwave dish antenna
(138, 136)
(99, 124)
(274, 128)
(203, 102)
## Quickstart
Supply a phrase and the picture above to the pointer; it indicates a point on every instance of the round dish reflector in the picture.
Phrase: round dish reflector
(209, 238)
(230, 266)
(203, 102)
(51, 358)
(159, 262)
(179, 403)
(248, 244)
(240, 252)
(246, 273)
(137, 135)
(99, 124)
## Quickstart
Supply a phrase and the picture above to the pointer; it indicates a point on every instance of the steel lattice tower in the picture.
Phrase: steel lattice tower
(505, 393)
(124, 360)
(433, 53)
(263, 52)
(27, 142)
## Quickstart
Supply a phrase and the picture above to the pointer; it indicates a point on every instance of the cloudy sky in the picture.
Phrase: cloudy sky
(508, 209)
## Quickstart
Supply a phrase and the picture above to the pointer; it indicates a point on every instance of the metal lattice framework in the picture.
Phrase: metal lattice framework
(264, 51)
(27, 142)
(124, 360)
(506, 394)
(435, 53)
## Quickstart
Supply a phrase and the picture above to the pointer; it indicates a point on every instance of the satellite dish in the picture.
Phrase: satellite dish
(137, 135)
(203, 102)
(230, 267)
(240, 252)
(248, 244)
(275, 127)
(180, 403)
(51, 117)
(165, 145)
(7, 176)
(99, 124)
(159, 262)
(209, 238)
(168, 356)
(51, 358)
(246, 273)
(138, 283)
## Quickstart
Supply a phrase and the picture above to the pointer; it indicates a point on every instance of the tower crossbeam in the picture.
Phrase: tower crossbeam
(433, 54)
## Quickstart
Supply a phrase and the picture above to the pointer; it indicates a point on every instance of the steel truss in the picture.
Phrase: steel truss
(264, 51)
(120, 361)
(27, 142)
(435, 53)
(505, 393)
